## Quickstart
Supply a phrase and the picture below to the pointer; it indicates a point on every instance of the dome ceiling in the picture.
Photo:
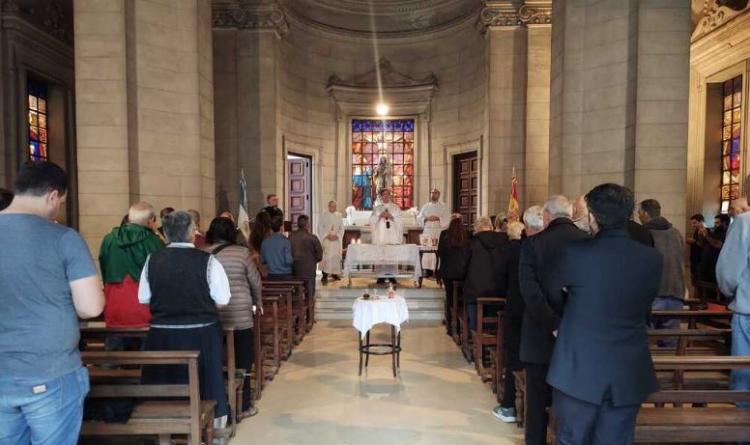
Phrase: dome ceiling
(391, 17)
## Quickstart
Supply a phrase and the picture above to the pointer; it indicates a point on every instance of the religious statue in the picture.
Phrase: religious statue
(383, 176)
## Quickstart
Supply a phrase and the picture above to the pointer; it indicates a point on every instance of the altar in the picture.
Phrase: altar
(361, 260)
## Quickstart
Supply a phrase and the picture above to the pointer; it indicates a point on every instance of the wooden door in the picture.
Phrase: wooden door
(466, 186)
(299, 188)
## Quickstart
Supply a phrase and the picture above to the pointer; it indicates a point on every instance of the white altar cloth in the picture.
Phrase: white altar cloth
(368, 313)
(390, 255)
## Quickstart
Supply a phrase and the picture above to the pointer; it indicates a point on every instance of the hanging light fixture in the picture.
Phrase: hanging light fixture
(382, 109)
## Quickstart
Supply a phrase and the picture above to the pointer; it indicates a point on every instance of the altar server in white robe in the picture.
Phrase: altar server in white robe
(387, 228)
(331, 233)
(434, 218)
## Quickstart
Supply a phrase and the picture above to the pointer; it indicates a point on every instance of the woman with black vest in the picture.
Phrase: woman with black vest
(183, 287)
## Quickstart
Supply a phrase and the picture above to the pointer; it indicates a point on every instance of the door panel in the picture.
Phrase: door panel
(466, 186)
(299, 188)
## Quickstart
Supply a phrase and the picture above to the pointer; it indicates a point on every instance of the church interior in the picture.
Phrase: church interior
(396, 114)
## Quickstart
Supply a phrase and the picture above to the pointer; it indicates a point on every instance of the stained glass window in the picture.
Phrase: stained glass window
(730, 142)
(37, 110)
(373, 139)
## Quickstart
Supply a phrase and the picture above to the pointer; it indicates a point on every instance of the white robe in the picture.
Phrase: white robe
(382, 231)
(431, 229)
(382, 234)
(331, 224)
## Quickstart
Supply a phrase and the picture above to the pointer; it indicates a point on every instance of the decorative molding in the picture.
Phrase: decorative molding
(507, 13)
(717, 13)
(49, 16)
(536, 12)
(241, 14)
(405, 95)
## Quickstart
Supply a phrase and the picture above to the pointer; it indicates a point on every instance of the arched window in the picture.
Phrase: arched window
(372, 139)
(38, 124)
(730, 142)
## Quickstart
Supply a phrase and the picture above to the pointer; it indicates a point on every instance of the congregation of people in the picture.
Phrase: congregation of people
(160, 272)
(579, 280)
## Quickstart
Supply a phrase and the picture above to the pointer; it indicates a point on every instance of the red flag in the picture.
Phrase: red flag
(514, 208)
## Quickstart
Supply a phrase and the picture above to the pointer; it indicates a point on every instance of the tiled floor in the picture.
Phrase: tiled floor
(317, 398)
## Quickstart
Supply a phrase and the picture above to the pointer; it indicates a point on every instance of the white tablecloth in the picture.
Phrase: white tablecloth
(368, 313)
(372, 255)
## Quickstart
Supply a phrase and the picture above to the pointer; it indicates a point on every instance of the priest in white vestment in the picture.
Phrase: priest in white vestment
(387, 228)
(331, 233)
(434, 218)
(385, 221)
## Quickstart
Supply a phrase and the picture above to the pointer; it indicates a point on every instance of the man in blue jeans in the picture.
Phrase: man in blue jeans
(48, 280)
(733, 276)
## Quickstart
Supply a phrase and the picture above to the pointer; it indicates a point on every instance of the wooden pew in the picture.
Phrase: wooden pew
(485, 335)
(259, 354)
(711, 416)
(300, 305)
(456, 310)
(234, 385)
(187, 415)
(270, 328)
(717, 319)
(286, 314)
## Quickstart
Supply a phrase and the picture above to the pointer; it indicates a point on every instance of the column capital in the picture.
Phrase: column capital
(515, 13)
(250, 14)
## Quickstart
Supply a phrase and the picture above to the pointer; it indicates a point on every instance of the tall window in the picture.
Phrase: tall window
(373, 139)
(37, 110)
(730, 142)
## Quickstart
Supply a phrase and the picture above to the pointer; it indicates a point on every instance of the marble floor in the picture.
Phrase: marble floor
(317, 397)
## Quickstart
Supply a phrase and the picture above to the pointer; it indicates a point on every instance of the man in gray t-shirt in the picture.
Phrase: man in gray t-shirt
(47, 281)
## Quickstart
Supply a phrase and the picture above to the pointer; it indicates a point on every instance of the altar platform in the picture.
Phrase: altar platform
(334, 300)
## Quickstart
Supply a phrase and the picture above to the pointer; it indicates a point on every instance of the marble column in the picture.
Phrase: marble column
(144, 97)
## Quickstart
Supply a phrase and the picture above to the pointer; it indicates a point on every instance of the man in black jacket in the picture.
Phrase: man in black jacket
(541, 289)
(601, 368)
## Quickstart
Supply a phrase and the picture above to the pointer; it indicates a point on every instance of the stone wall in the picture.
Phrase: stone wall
(144, 94)
(619, 98)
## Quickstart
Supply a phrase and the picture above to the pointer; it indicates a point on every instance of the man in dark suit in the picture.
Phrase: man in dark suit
(541, 289)
(601, 368)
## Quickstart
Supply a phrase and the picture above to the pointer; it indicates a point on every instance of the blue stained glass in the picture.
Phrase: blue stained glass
(735, 146)
(366, 125)
(398, 125)
(357, 125)
(409, 125)
(35, 153)
(389, 125)
(377, 126)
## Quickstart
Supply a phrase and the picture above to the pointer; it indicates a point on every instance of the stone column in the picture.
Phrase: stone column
(144, 93)
(506, 112)
(246, 39)
(535, 180)
(619, 98)
(101, 117)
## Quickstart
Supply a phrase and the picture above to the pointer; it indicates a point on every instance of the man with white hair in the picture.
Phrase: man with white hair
(541, 288)
(121, 258)
(533, 217)
(581, 214)
(434, 217)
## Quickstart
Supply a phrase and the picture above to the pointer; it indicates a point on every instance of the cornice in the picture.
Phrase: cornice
(509, 14)
(715, 16)
(243, 15)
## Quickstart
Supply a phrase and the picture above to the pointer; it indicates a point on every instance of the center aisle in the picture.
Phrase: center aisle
(317, 397)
